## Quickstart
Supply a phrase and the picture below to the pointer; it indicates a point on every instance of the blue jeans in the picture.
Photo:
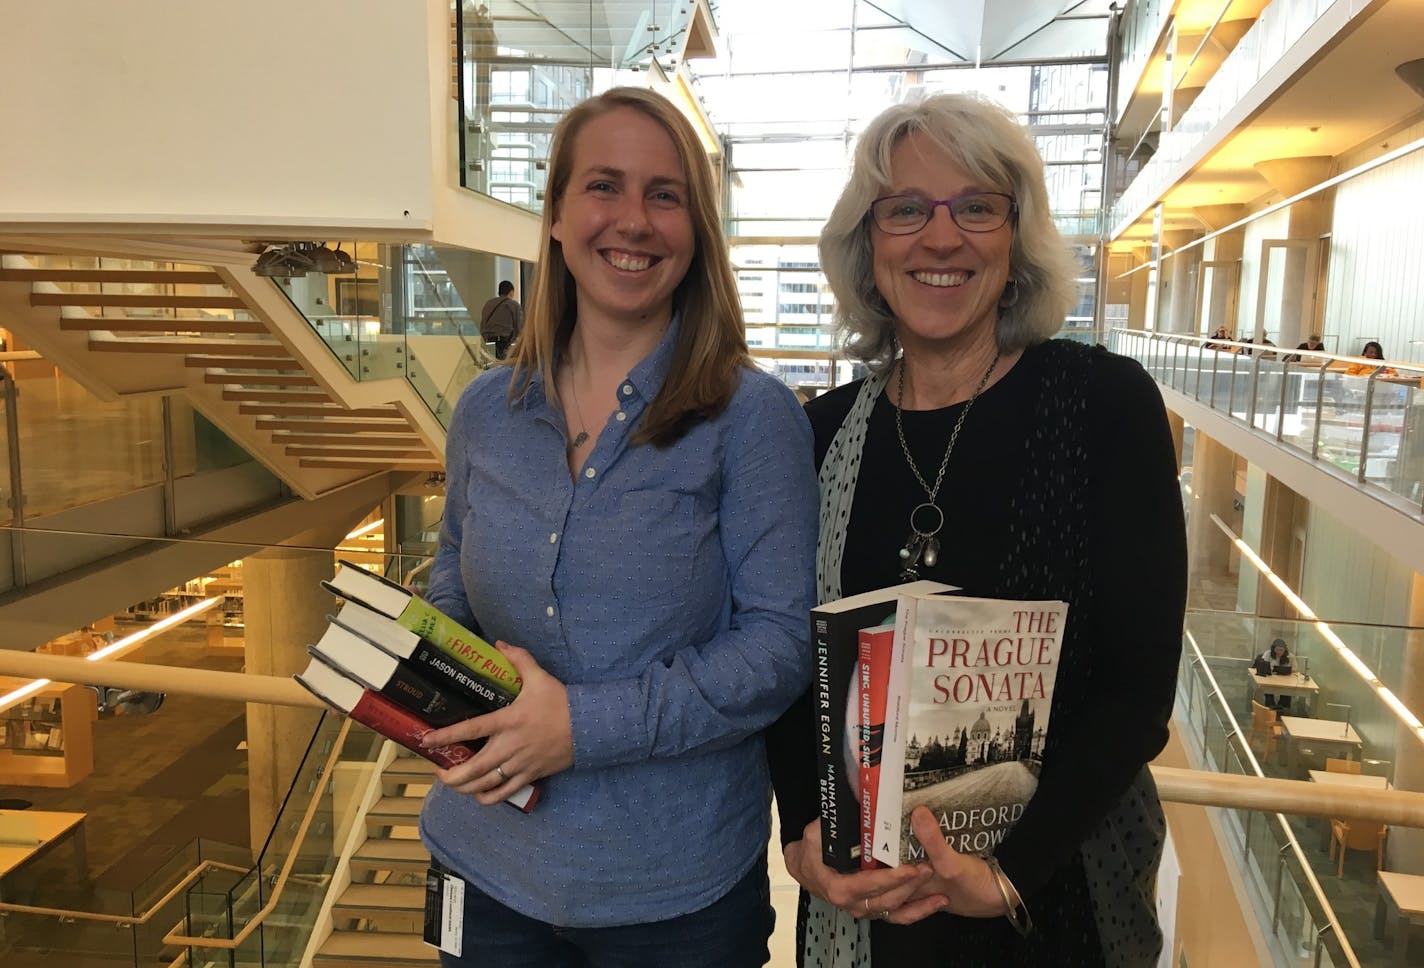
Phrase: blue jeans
(729, 933)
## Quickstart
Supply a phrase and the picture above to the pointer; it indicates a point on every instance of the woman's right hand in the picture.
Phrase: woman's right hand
(861, 894)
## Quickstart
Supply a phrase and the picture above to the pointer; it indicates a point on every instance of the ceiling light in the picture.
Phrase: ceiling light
(331, 261)
(298, 258)
(1412, 73)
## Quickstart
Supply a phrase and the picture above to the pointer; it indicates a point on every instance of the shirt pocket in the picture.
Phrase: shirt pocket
(658, 566)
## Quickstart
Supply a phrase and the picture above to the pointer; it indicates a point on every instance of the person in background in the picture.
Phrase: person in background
(501, 319)
(1219, 334)
(631, 506)
(1053, 468)
(1277, 659)
(1372, 351)
(1312, 342)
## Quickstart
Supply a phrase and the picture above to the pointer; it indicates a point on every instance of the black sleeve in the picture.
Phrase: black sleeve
(1139, 561)
(790, 741)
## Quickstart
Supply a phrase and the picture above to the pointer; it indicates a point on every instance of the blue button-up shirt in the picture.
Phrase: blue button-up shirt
(668, 589)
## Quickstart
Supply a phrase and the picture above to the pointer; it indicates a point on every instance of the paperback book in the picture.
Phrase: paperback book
(835, 635)
(968, 699)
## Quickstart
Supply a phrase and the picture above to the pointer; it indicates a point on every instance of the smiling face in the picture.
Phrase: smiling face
(624, 222)
(942, 283)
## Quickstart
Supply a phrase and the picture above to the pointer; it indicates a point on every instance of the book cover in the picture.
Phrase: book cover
(382, 672)
(433, 663)
(876, 646)
(414, 613)
(967, 707)
(835, 636)
(399, 725)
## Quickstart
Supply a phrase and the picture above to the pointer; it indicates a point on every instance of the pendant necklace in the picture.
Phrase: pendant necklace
(582, 437)
(926, 519)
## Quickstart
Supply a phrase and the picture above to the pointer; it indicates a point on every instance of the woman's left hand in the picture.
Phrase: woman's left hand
(964, 880)
(529, 739)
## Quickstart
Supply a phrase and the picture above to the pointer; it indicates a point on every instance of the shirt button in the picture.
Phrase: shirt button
(622, 416)
(549, 611)
(553, 536)
(590, 472)
(627, 389)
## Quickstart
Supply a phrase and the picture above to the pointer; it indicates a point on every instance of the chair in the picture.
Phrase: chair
(1264, 728)
(1357, 835)
(1334, 764)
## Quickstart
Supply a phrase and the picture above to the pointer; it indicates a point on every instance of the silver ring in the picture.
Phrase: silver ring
(502, 774)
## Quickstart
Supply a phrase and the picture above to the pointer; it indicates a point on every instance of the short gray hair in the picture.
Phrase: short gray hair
(988, 141)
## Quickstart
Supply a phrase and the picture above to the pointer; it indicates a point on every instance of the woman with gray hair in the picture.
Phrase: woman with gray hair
(981, 453)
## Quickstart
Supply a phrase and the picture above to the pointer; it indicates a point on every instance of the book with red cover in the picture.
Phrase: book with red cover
(876, 647)
(375, 711)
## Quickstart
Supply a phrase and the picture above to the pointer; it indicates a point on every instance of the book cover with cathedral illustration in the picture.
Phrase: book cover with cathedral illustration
(967, 705)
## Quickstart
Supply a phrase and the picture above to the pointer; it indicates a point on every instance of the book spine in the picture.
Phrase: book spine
(440, 668)
(436, 707)
(890, 789)
(876, 646)
(405, 728)
(483, 659)
(836, 659)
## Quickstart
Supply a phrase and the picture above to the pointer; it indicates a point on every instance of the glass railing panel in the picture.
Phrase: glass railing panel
(1280, 25)
(1367, 423)
(7, 412)
(60, 424)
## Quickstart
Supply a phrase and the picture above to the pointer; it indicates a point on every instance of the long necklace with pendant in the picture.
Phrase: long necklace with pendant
(582, 437)
(926, 518)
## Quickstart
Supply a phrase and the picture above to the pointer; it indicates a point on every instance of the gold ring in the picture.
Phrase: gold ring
(502, 774)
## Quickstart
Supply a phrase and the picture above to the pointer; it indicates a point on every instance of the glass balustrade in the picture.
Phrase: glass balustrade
(1325, 719)
(1358, 418)
(521, 66)
(1280, 25)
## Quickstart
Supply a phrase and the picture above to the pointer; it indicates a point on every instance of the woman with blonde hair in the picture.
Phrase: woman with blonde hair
(981, 453)
(631, 507)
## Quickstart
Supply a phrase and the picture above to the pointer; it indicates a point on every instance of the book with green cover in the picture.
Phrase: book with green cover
(416, 614)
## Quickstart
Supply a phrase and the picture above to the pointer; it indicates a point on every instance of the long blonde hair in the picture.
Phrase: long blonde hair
(711, 343)
(991, 145)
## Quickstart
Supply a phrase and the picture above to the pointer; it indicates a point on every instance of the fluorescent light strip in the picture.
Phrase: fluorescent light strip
(29, 689)
(129, 641)
(1385, 694)
(365, 529)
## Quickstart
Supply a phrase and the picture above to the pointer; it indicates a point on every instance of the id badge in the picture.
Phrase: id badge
(444, 911)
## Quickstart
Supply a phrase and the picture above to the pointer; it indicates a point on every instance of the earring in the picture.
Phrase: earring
(1010, 295)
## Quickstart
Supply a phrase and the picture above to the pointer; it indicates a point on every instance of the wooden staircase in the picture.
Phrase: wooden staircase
(378, 919)
(231, 343)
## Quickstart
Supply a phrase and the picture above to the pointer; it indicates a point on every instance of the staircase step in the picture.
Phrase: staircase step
(156, 301)
(394, 812)
(387, 907)
(374, 949)
(390, 854)
(186, 276)
(161, 324)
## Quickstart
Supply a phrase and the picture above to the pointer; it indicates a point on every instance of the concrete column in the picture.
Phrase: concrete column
(284, 610)
(1279, 548)
(1213, 488)
(1178, 427)
(1180, 293)
(1309, 219)
(1405, 847)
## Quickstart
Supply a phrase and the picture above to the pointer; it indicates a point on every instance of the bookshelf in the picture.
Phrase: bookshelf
(47, 740)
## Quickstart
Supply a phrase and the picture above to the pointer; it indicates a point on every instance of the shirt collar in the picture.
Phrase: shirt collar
(646, 377)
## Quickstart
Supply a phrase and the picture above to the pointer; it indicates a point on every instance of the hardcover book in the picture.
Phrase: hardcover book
(358, 659)
(876, 648)
(414, 613)
(399, 725)
(433, 663)
(835, 635)
(967, 707)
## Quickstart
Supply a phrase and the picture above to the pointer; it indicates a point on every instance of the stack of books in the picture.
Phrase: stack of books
(395, 663)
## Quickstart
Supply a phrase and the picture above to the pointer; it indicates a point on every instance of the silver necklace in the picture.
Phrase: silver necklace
(582, 437)
(926, 519)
